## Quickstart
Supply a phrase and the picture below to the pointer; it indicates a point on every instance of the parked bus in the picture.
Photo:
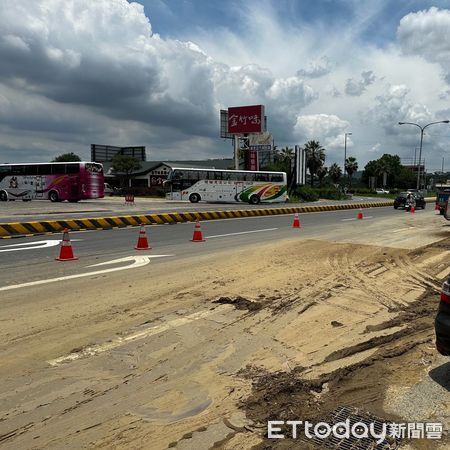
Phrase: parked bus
(443, 194)
(72, 181)
(214, 185)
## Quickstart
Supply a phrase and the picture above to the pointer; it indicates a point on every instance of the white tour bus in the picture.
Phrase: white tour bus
(214, 185)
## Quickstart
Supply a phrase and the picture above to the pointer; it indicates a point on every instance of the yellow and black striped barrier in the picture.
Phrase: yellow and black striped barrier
(20, 229)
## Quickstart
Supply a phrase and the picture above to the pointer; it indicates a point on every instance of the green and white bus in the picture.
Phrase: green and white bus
(215, 185)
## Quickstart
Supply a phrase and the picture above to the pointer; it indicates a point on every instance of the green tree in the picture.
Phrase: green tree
(387, 164)
(315, 158)
(283, 162)
(351, 166)
(335, 173)
(123, 166)
(66, 157)
(321, 174)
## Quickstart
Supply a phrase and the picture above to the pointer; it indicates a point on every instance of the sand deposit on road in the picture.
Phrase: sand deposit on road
(286, 330)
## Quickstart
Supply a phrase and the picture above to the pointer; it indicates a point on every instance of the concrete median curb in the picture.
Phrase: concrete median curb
(22, 229)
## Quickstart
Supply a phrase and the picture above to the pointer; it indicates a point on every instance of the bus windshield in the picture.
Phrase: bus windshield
(215, 185)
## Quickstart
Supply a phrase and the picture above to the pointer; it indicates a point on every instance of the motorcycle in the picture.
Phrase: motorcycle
(410, 204)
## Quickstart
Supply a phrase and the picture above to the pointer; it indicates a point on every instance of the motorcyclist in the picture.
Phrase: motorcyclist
(410, 201)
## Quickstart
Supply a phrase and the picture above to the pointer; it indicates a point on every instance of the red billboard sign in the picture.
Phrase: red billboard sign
(246, 119)
(251, 160)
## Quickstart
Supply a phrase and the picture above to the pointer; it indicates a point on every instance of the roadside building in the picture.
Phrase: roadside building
(150, 177)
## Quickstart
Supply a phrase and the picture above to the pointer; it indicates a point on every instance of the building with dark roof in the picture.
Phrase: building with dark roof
(150, 176)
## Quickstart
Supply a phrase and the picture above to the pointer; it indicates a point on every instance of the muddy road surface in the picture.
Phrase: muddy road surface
(201, 353)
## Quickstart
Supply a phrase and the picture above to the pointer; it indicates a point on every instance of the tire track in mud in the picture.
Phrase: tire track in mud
(293, 396)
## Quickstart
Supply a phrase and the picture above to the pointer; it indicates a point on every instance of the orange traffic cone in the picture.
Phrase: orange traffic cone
(142, 243)
(296, 223)
(436, 208)
(66, 252)
(360, 214)
(197, 237)
(412, 210)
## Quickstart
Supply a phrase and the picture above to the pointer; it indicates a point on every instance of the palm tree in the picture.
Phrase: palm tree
(321, 173)
(315, 157)
(335, 173)
(351, 166)
(287, 154)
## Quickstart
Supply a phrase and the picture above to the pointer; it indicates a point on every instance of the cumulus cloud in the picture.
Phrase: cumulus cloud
(101, 60)
(427, 34)
(329, 129)
(82, 71)
(317, 68)
(394, 106)
(357, 87)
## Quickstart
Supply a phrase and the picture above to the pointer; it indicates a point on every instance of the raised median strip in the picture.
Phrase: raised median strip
(20, 229)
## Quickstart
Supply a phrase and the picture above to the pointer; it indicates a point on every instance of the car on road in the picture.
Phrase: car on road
(400, 201)
(442, 321)
(381, 191)
(109, 190)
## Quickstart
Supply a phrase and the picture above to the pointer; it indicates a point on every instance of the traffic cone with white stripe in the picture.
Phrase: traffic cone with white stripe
(360, 215)
(65, 251)
(412, 210)
(142, 243)
(296, 223)
(197, 237)
(436, 208)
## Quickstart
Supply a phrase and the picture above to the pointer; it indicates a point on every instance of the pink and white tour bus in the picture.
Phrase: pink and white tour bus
(72, 181)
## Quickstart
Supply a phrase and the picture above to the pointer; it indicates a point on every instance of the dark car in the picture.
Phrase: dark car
(400, 201)
(442, 322)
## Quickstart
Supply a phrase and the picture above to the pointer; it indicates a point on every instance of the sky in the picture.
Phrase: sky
(157, 73)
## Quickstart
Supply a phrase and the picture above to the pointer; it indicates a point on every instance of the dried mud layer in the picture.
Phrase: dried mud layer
(398, 358)
(206, 356)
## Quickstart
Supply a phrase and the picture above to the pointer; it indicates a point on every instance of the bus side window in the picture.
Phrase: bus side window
(217, 175)
(262, 177)
(30, 170)
(192, 176)
(17, 170)
(44, 169)
(72, 168)
(251, 177)
(276, 177)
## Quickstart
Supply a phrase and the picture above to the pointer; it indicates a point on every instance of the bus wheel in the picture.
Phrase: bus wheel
(3, 196)
(53, 196)
(194, 198)
(254, 200)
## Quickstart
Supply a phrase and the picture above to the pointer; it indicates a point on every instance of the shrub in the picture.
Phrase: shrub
(306, 194)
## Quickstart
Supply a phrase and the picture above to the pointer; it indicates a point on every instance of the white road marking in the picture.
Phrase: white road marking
(33, 245)
(355, 218)
(29, 245)
(240, 232)
(142, 334)
(398, 230)
(138, 261)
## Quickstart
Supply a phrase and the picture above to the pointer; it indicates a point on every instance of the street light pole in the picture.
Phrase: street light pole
(421, 141)
(345, 150)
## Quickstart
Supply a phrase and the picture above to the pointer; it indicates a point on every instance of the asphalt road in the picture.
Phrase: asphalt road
(130, 358)
(24, 260)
